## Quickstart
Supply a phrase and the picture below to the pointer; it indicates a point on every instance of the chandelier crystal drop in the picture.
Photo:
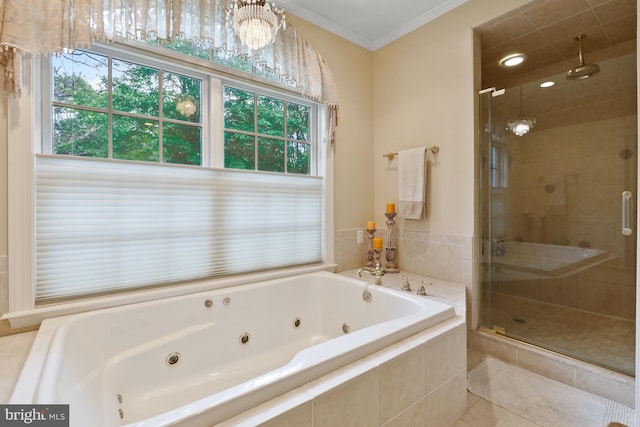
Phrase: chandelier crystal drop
(256, 22)
(521, 126)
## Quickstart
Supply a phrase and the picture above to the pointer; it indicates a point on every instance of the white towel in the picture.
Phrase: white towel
(412, 178)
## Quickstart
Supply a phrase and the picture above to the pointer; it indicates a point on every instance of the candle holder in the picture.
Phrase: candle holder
(391, 250)
(376, 256)
(370, 253)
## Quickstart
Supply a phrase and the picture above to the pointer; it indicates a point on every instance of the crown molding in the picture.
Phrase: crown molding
(330, 26)
(416, 23)
(367, 43)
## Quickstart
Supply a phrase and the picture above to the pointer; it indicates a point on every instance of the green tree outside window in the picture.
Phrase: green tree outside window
(111, 108)
(265, 133)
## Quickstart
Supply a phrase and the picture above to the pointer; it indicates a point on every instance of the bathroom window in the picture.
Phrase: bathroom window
(107, 107)
(499, 164)
(136, 182)
(111, 104)
(266, 133)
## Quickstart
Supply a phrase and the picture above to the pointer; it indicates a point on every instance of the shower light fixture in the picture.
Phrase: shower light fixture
(256, 22)
(523, 124)
(513, 60)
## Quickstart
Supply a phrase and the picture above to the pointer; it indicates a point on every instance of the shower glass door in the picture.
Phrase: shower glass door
(557, 215)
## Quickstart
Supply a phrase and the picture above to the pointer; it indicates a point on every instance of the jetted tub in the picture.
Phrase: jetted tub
(202, 358)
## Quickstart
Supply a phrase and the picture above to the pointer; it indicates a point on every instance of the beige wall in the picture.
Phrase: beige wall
(424, 95)
(351, 66)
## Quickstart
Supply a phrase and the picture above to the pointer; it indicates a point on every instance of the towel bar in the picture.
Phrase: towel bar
(391, 156)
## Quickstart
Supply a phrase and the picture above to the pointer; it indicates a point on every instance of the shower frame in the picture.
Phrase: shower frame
(488, 131)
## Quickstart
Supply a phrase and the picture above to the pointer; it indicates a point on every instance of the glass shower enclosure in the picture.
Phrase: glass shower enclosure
(558, 219)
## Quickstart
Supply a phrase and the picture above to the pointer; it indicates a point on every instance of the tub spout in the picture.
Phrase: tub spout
(378, 271)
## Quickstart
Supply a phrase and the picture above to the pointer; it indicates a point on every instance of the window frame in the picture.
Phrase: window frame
(25, 124)
(209, 85)
(261, 91)
(213, 84)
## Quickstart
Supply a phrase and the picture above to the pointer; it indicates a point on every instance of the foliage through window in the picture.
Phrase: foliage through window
(244, 63)
(106, 104)
(108, 107)
(266, 133)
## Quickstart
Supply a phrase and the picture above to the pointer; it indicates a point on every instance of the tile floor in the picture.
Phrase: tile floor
(482, 413)
(604, 340)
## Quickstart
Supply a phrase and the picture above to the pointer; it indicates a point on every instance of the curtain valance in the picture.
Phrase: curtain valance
(53, 26)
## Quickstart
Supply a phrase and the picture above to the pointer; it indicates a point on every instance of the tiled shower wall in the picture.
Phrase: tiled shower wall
(440, 256)
(564, 188)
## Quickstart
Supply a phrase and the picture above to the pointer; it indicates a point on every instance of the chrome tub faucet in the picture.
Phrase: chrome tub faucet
(378, 271)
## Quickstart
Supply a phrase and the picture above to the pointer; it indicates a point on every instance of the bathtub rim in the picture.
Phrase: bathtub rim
(37, 315)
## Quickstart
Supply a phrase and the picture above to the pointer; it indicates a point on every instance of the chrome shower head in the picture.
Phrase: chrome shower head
(582, 71)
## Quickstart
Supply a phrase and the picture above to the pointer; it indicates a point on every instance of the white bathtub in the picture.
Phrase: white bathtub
(112, 366)
(549, 260)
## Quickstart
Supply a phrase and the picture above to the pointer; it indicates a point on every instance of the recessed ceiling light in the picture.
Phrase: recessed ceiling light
(547, 84)
(513, 60)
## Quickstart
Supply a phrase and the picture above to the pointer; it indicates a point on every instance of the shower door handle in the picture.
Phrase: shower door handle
(627, 214)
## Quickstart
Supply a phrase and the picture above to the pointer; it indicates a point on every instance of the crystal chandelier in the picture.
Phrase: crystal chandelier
(523, 124)
(186, 105)
(256, 22)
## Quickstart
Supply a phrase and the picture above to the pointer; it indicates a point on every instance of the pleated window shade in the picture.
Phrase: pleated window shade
(104, 226)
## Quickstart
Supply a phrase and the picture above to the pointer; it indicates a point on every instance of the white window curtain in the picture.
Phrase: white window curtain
(46, 26)
(104, 225)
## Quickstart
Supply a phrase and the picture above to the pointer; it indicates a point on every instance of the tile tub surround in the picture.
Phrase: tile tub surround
(420, 378)
(582, 375)
(441, 256)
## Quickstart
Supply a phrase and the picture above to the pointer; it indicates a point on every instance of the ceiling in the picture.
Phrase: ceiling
(369, 23)
(545, 31)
